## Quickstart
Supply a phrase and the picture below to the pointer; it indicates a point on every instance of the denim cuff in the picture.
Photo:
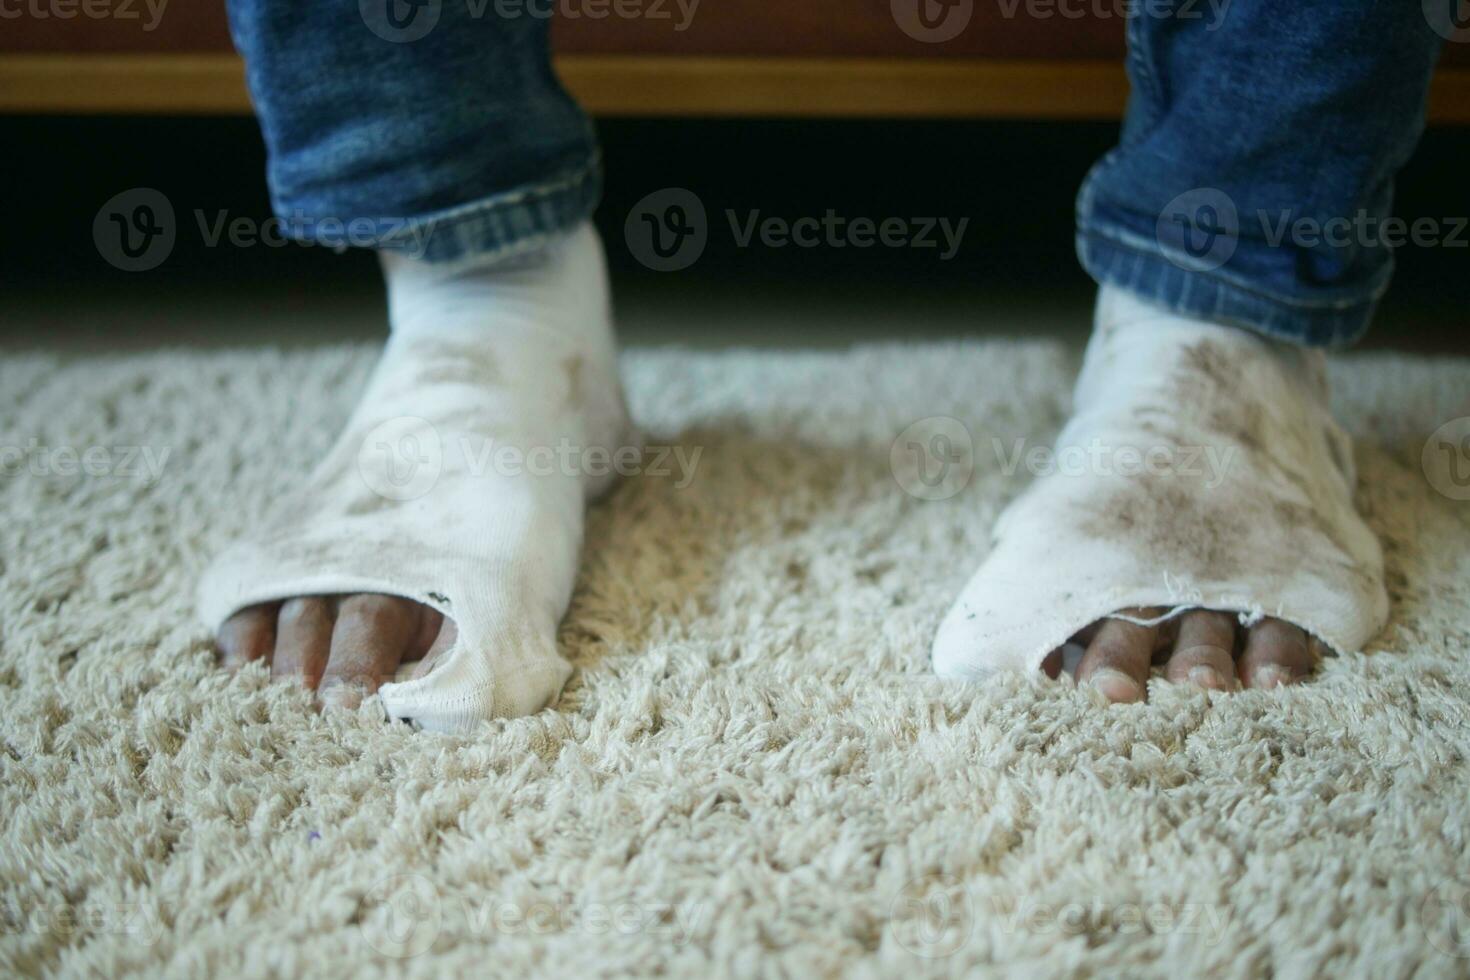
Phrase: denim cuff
(499, 226)
(1116, 255)
(1149, 274)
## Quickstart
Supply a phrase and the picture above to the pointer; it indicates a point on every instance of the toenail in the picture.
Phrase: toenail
(1203, 675)
(337, 693)
(1273, 675)
(1116, 685)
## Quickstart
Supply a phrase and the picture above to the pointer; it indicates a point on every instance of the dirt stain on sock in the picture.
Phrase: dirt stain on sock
(576, 394)
(1162, 518)
(455, 362)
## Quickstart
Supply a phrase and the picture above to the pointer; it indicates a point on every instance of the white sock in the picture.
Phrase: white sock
(422, 496)
(1261, 522)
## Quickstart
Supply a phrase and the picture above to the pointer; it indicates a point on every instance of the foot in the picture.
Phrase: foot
(1200, 647)
(344, 647)
(430, 555)
(1200, 484)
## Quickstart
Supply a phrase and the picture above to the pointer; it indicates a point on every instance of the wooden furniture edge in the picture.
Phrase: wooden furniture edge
(637, 85)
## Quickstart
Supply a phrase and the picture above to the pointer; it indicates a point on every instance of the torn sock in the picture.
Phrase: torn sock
(461, 477)
(1205, 472)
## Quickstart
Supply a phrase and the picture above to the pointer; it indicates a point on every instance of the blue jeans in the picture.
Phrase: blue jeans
(415, 125)
(1256, 167)
(1250, 187)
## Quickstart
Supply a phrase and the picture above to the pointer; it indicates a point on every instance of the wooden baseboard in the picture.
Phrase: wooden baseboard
(612, 85)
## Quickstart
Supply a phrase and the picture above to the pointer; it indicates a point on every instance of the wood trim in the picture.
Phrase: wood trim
(86, 83)
(615, 85)
(846, 87)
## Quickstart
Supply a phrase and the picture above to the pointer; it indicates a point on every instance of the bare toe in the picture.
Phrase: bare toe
(248, 636)
(303, 639)
(373, 635)
(1118, 658)
(1204, 651)
(1276, 653)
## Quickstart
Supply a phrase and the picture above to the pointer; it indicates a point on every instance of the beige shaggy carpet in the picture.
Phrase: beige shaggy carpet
(751, 770)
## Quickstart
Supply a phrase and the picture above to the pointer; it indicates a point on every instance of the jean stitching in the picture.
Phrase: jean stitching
(1118, 265)
(1125, 239)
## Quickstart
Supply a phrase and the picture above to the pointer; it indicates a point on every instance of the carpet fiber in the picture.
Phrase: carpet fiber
(751, 767)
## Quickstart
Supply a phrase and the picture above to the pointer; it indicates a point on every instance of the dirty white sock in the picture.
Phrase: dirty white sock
(459, 481)
(1201, 469)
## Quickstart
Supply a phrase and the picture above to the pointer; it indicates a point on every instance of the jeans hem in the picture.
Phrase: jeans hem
(506, 224)
(499, 226)
(1193, 292)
